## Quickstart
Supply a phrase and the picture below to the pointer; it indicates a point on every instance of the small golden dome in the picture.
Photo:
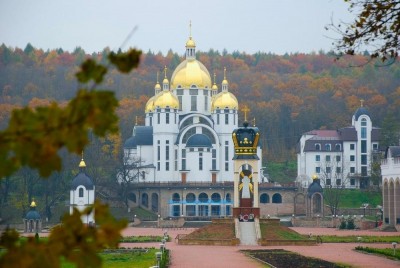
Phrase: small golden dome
(165, 81)
(149, 105)
(190, 43)
(224, 82)
(33, 204)
(157, 86)
(191, 72)
(82, 164)
(224, 100)
(214, 87)
(315, 176)
(166, 99)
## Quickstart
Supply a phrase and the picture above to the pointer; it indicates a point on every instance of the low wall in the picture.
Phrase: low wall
(222, 221)
(362, 224)
(263, 242)
(209, 242)
(270, 221)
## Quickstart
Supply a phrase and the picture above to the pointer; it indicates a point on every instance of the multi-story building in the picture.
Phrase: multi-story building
(340, 158)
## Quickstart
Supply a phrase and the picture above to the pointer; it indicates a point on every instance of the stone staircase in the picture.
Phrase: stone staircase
(248, 235)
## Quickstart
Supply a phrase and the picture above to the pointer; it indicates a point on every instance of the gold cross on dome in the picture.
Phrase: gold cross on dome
(245, 109)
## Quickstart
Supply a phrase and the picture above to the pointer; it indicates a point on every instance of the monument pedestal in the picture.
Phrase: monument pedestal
(246, 212)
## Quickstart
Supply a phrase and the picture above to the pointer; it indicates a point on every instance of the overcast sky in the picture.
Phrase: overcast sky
(276, 26)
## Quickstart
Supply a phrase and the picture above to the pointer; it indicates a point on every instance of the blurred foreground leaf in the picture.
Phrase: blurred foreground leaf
(127, 61)
(71, 240)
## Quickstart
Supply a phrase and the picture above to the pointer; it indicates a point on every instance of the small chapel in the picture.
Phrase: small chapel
(82, 193)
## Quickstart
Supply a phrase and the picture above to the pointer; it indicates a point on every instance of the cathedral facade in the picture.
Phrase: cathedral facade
(186, 144)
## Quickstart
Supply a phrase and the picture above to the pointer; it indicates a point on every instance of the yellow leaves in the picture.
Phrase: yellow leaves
(34, 136)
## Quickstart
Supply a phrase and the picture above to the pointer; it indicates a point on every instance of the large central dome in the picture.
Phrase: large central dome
(191, 72)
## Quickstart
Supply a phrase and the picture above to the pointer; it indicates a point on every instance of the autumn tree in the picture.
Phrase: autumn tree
(34, 137)
(334, 177)
(376, 27)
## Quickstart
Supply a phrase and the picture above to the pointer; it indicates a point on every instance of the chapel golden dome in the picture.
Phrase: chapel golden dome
(149, 105)
(166, 99)
(190, 43)
(191, 72)
(33, 204)
(157, 86)
(214, 86)
(82, 164)
(224, 100)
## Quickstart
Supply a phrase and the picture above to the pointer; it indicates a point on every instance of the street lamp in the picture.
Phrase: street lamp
(394, 244)
(158, 257)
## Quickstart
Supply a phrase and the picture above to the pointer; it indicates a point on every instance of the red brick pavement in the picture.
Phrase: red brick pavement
(219, 256)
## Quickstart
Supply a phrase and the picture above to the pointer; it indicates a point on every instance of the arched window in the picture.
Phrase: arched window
(190, 198)
(264, 198)
(203, 198)
(145, 200)
(228, 197)
(80, 192)
(132, 197)
(318, 147)
(154, 202)
(216, 197)
(338, 147)
(328, 147)
(176, 198)
(276, 198)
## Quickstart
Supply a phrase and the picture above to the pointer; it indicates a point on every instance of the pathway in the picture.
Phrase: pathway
(247, 234)
(220, 256)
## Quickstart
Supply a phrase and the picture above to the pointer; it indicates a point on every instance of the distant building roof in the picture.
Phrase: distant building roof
(82, 179)
(32, 214)
(142, 135)
(361, 111)
(392, 151)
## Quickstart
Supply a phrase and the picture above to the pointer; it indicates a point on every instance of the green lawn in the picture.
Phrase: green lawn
(387, 252)
(355, 198)
(364, 239)
(130, 259)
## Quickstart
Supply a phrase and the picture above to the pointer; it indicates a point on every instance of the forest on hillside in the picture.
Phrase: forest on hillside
(287, 94)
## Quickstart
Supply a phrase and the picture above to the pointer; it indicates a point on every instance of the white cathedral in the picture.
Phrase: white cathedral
(187, 135)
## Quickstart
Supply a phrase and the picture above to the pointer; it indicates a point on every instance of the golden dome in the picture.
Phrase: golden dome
(224, 100)
(149, 105)
(191, 72)
(157, 86)
(214, 87)
(82, 164)
(190, 43)
(166, 99)
(165, 81)
(33, 204)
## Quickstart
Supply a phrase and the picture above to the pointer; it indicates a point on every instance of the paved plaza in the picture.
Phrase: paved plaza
(222, 256)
